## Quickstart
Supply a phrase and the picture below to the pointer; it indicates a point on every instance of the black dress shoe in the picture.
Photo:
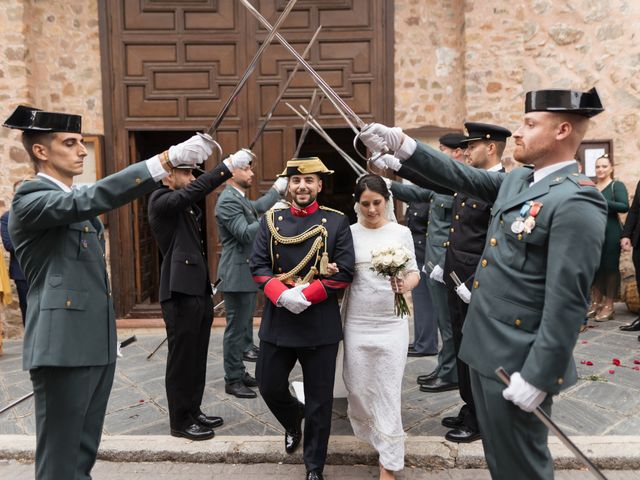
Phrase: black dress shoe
(462, 435)
(248, 380)
(453, 422)
(437, 385)
(314, 475)
(195, 431)
(422, 379)
(413, 353)
(292, 437)
(250, 356)
(631, 327)
(209, 421)
(240, 390)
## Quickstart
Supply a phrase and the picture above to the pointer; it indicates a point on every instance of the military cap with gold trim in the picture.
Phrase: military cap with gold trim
(485, 131)
(303, 166)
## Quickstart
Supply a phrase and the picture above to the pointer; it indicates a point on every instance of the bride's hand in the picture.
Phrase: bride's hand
(332, 269)
(398, 285)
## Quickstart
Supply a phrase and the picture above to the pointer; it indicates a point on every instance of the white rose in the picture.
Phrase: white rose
(386, 260)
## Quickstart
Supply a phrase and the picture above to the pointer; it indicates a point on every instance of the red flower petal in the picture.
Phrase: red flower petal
(616, 362)
(584, 342)
(636, 362)
(612, 372)
(583, 362)
(636, 368)
(589, 363)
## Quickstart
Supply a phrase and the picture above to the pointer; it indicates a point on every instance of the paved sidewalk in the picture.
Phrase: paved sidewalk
(609, 405)
(193, 471)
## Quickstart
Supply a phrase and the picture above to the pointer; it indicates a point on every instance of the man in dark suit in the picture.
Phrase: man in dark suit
(630, 238)
(524, 315)
(15, 272)
(70, 329)
(185, 290)
(294, 254)
(237, 219)
(485, 144)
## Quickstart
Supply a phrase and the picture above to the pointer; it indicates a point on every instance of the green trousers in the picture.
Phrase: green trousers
(70, 404)
(237, 333)
(514, 441)
(447, 367)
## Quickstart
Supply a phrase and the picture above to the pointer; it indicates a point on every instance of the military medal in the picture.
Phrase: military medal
(518, 226)
(529, 224)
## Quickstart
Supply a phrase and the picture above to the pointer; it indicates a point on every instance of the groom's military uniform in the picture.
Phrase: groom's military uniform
(293, 246)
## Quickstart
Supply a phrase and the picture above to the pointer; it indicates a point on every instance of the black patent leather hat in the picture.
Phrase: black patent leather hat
(30, 119)
(587, 104)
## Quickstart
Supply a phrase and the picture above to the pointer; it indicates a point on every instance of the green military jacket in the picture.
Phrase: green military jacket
(59, 243)
(238, 225)
(440, 207)
(530, 291)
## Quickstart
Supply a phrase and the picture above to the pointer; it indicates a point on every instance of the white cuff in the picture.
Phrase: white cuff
(406, 149)
(156, 170)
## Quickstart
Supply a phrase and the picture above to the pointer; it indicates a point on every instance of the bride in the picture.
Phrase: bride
(375, 339)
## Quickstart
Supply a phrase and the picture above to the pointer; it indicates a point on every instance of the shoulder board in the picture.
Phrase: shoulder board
(331, 210)
(581, 180)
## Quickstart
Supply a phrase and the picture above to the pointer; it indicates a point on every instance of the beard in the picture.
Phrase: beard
(532, 155)
(246, 184)
(306, 203)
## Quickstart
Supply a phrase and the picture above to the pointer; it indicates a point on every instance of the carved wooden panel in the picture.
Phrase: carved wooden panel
(169, 65)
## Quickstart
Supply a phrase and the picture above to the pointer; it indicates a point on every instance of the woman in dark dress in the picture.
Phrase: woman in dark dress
(607, 281)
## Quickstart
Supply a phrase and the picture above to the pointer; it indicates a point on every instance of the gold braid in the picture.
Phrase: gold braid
(318, 231)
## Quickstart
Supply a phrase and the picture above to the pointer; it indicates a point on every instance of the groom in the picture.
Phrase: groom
(301, 320)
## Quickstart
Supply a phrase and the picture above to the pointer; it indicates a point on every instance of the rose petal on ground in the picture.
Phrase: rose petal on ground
(616, 362)
(612, 372)
(589, 363)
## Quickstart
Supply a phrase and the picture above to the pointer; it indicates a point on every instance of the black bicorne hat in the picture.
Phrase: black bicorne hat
(586, 104)
(452, 140)
(30, 119)
(485, 131)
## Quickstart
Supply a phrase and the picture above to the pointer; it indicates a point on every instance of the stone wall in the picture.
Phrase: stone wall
(50, 59)
(500, 50)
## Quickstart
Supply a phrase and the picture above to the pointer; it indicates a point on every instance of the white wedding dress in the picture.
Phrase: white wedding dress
(375, 347)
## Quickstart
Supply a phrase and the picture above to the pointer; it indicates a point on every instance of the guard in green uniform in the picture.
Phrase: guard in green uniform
(70, 332)
(530, 291)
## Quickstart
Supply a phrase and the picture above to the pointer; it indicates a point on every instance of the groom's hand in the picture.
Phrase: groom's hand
(294, 300)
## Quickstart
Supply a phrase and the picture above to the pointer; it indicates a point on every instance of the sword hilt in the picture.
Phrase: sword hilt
(372, 158)
(215, 144)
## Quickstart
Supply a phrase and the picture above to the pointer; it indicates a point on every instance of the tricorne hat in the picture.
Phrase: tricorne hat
(30, 119)
(485, 131)
(303, 166)
(586, 104)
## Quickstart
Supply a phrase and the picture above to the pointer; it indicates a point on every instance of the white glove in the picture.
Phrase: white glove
(393, 137)
(523, 394)
(387, 161)
(464, 293)
(191, 152)
(280, 185)
(293, 299)
(118, 350)
(437, 274)
(241, 159)
(424, 269)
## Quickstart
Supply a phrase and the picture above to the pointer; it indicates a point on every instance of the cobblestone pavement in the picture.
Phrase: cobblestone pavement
(608, 405)
(194, 471)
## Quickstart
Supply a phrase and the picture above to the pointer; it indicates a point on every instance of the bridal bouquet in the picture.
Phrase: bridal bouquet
(389, 262)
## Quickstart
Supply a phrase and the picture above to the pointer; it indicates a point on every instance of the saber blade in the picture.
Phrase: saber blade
(324, 86)
(254, 62)
(282, 92)
(551, 425)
